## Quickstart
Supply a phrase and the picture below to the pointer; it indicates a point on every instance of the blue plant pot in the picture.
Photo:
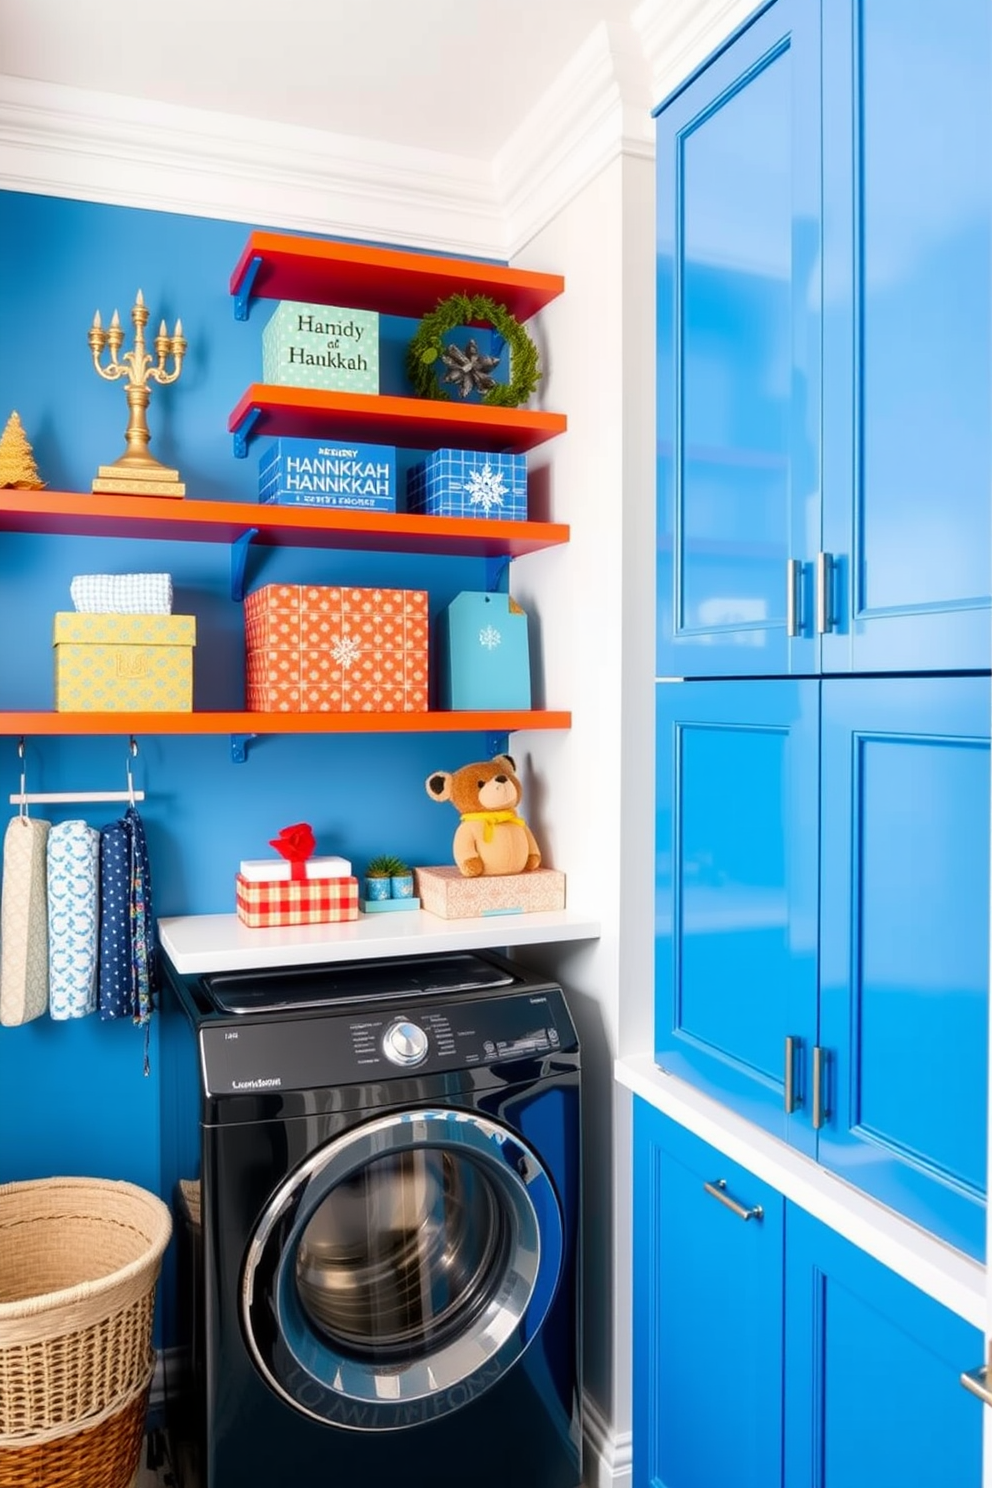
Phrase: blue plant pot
(402, 886)
(377, 888)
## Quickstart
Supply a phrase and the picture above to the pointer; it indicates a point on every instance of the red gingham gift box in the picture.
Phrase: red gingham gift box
(332, 649)
(311, 901)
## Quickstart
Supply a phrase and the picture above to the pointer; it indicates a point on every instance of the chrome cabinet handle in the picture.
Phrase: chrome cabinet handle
(820, 1112)
(824, 575)
(791, 1100)
(718, 1191)
(793, 577)
(976, 1380)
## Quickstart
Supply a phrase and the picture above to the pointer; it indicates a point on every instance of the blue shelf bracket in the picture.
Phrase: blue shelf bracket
(239, 747)
(239, 559)
(497, 744)
(242, 434)
(242, 298)
(498, 574)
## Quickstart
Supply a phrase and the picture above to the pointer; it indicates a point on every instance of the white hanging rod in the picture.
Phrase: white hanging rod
(24, 798)
(55, 798)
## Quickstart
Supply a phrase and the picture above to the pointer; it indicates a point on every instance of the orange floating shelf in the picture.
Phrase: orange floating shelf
(75, 514)
(416, 423)
(279, 267)
(244, 723)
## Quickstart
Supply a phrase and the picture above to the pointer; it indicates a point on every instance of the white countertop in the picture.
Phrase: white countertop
(222, 942)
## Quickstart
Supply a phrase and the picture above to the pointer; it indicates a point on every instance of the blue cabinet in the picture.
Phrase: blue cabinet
(824, 274)
(907, 333)
(846, 1376)
(822, 924)
(708, 1315)
(737, 800)
(872, 1382)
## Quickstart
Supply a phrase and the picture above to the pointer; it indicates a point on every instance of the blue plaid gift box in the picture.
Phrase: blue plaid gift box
(329, 472)
(469, 483)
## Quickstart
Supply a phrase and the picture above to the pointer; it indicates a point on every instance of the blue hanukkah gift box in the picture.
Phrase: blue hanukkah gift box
(328, 472)
(469, 483)
(483, 654)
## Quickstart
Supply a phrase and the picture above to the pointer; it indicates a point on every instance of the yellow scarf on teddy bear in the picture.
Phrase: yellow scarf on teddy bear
(492, 819)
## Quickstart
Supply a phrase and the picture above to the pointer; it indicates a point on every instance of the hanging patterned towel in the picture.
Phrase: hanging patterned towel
(24, 922)
(123, 594)
(127, 975)
(73, 917)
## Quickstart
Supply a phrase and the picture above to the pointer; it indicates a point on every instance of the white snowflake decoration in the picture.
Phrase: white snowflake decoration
(486, 488)
(346, 650)
(489, 637)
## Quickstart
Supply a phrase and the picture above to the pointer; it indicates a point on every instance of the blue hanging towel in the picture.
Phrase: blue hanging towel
(128, 972)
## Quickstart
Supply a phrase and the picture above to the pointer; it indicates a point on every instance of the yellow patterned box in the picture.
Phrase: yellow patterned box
(123, 663)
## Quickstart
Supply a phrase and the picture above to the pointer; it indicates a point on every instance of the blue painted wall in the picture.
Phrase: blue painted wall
(73, 1098)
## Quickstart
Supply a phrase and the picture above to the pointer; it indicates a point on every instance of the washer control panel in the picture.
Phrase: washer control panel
(258, 1055)
(405, 1043)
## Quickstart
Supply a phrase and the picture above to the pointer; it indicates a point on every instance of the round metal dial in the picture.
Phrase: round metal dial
(404, 1043)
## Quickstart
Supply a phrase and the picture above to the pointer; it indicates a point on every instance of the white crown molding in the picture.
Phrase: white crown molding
(678, 35)
(609, 1456)
(89, 146)
(597, 108)
(69, 142)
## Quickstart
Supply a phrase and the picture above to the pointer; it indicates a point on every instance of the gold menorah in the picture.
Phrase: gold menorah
(137, 472)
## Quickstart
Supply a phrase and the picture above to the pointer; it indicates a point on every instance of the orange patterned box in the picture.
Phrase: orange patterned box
(331, 649)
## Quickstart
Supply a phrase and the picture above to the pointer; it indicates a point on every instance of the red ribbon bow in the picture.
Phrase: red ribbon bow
(296, 844)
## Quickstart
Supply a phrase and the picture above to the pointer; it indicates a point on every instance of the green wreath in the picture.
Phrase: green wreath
(429, 346)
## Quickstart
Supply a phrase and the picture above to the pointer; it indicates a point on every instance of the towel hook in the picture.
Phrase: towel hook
(131, 799)
(22, 809)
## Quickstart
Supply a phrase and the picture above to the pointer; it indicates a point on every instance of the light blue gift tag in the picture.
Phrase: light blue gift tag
(483, 653)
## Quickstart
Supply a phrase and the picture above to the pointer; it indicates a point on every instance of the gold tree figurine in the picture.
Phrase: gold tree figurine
(137, 472)
(17, 467)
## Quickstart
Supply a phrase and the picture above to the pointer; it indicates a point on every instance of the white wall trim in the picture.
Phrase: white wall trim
(608, 1456)
(597, 108)
(90, 146)
(70, 142)
(678, 35)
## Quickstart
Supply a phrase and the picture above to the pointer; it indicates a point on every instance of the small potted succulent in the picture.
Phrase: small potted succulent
(388, 877)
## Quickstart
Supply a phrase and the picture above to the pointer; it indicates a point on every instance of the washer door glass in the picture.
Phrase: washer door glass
(402, 1269)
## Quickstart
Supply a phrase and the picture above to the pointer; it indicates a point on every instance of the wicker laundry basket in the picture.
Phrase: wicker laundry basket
(79, 1259)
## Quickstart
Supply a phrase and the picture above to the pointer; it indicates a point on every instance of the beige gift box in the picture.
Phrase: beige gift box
(446, 892)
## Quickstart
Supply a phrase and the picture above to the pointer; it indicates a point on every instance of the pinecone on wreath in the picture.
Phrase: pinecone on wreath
(17, 467)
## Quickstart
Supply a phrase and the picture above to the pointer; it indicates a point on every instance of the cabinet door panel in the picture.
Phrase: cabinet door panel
(735, 932)
(904, 944)
(872, 1392)
(907, 332)
(738, 351)
(705, 1282)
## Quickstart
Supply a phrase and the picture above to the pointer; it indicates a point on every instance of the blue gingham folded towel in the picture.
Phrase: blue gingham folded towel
(73, 918)
(123, 594)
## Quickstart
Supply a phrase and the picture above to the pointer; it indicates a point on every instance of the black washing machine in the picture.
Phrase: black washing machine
(378, 1278)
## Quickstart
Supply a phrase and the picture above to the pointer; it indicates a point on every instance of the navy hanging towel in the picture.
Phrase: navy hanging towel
(128, 973)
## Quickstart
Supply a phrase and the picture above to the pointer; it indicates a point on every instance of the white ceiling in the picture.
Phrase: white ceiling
(456, 76)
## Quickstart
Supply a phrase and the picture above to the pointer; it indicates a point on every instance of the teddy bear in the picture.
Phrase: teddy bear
(490, 838)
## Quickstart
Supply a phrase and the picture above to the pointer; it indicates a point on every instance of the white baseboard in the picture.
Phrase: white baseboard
(608, 1454)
